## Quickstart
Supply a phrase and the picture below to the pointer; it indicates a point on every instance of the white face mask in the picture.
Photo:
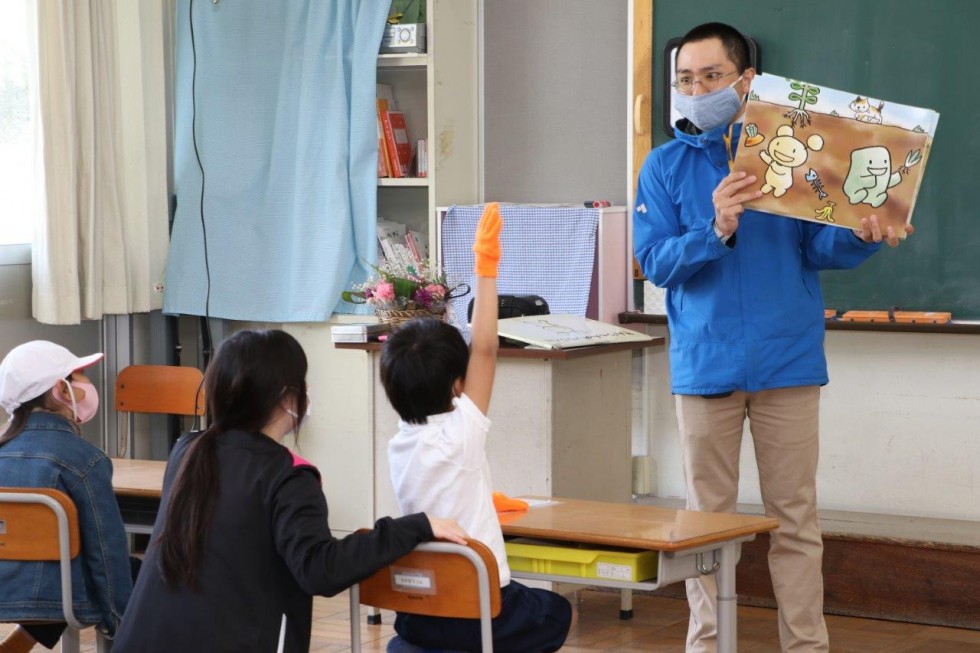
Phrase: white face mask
(299, 421)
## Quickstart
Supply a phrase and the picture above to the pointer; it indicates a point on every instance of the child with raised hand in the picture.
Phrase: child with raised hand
(441, 390)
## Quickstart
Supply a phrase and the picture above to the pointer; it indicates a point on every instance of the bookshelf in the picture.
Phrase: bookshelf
(438, 91)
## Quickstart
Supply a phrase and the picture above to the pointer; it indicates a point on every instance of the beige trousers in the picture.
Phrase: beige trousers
(785, 426)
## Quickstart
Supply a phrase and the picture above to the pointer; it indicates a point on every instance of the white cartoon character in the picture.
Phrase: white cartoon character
(784, 153)
(865, 112)
(870, 175)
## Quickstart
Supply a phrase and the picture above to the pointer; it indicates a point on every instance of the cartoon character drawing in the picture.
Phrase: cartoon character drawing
(826, 213)
(870, 175)
(784, 153)
(865, 112)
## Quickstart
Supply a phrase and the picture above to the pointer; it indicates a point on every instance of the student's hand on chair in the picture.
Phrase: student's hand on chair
(486, 242)
(447, 529)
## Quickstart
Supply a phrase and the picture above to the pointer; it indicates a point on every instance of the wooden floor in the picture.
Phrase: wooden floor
(658, 627)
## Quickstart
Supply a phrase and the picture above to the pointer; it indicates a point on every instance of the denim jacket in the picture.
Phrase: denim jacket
(48, 453)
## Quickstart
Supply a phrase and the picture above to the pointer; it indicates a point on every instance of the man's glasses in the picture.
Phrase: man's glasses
(685, 83)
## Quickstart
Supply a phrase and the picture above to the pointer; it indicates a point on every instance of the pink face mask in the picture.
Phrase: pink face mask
(83, 410)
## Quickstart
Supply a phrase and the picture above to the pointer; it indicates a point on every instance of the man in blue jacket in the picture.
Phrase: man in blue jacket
(746, 327)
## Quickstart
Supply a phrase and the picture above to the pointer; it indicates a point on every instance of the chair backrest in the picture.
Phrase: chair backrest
(160, 389)
(439, 579)
(41, 524)
(155, 389)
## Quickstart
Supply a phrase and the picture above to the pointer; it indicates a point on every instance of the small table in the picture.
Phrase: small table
(690, 544)
(138, 485)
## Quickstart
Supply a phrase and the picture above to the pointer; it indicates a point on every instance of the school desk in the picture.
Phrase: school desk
(138, 485)
(689, 544)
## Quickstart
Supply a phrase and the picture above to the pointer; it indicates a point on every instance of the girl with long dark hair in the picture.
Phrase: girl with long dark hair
(241, 542)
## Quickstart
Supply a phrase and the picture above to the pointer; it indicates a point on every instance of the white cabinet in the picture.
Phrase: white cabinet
(438, 91)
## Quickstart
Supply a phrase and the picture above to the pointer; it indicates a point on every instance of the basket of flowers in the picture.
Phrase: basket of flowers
(401, 293)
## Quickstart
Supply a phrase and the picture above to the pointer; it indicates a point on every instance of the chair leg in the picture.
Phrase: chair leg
(102, 645)
(70, 641)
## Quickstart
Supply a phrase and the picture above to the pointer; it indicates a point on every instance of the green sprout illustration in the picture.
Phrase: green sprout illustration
(911, 159)
(753, 95)
(834, 113)
(806, 94)
(919, 130)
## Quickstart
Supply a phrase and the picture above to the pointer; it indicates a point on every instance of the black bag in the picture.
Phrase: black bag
(515, 306)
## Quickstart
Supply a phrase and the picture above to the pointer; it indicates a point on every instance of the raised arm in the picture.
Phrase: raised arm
(478, 384)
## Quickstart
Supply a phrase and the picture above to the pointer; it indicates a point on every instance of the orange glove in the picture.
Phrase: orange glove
(503, 503)
(486, 242)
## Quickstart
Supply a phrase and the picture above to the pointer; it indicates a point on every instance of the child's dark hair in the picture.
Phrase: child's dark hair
(731, 39)
(246, 381)
(419, 365)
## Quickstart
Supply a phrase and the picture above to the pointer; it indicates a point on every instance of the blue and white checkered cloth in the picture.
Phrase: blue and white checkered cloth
(546, 250)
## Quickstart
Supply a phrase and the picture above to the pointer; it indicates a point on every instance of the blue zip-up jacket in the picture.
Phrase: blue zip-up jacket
(49, 454)
(746, 314)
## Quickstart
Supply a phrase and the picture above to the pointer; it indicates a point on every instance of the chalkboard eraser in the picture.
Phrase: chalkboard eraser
(866, 316)
(830, 313)
(923, 317)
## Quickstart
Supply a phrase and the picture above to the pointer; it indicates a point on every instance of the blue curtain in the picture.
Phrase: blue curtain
(286, 131)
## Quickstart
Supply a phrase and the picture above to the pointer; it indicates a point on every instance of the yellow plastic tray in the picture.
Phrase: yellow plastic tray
(574, 560)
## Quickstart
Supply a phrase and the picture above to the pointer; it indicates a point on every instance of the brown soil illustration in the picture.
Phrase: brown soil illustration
(841, 135)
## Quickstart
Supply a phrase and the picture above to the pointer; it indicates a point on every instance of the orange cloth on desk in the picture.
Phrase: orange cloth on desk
(503, 503)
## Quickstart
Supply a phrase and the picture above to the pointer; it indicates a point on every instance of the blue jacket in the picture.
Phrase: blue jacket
(743, 315)
(48, 453)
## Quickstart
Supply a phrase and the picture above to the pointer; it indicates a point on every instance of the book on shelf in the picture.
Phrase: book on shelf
(396, 138)
(560, 331)
(357, 332)
(421, 158)
(394, 250)
(384, 163)
(833, 157)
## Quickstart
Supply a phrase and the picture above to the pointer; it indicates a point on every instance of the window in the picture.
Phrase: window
(18, 124)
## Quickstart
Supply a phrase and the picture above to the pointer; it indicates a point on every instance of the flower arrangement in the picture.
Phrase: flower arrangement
(399, 292)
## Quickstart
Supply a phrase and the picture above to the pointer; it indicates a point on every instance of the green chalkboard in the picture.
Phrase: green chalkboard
(924, 53)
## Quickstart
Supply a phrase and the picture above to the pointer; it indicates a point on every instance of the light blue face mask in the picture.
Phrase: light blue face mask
(709, 110)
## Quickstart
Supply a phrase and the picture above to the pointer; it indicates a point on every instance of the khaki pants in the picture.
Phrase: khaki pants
(784, 426)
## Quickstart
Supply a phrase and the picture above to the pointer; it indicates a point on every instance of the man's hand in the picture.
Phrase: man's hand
(486, 242)
(728, 198)
(870, 232)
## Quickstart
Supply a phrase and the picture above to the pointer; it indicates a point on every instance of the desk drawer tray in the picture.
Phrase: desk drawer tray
(575, 560)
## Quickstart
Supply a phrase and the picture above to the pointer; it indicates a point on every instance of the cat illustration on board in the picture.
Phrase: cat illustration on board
(865, 111)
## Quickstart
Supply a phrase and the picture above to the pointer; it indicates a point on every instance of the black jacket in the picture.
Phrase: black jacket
(269, 550)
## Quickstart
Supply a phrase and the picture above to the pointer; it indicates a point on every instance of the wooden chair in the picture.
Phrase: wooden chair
(156, 390)
(438, 579)
(41, 525)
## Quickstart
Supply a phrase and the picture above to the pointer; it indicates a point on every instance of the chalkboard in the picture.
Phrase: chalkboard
(923, 53)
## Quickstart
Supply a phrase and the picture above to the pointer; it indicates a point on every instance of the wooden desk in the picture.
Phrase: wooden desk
(138, 485)
(690, 544)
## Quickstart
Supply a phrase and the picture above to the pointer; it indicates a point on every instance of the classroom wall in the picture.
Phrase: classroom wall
(555, 103)
(899, 425)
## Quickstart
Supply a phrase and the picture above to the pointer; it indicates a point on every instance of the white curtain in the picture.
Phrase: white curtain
(101, 238)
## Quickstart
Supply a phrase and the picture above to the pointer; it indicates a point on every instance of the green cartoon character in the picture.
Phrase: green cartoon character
(870, 175)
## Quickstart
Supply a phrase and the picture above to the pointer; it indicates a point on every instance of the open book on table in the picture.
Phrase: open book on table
(564, 331)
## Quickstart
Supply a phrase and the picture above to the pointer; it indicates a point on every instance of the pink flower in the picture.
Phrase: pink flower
(437, 291)
(384, 291)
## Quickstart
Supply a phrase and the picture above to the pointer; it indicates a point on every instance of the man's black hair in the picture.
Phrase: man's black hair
(419, 365)
(731, 39)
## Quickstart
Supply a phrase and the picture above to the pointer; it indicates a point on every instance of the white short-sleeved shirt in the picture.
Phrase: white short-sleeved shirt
(441, 468)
